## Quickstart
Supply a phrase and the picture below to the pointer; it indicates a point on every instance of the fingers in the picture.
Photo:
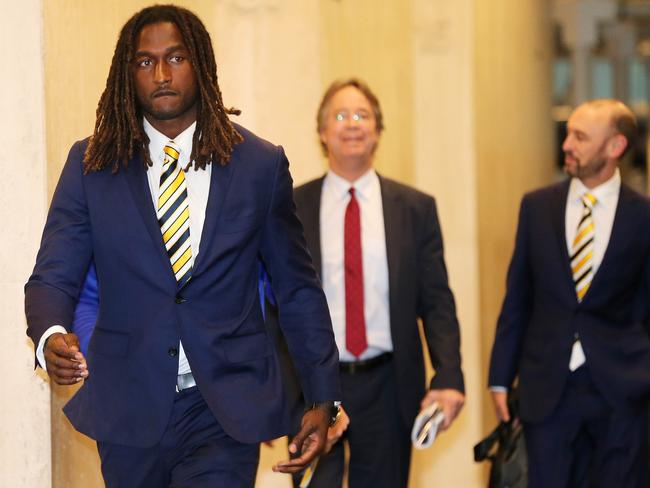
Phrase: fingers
(335, 432)
(65, 364)
(451, 407)
(309, 442)
(451, 402)
(500, 401)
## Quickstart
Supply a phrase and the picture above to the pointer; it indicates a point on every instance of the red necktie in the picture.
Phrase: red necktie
(355, 324)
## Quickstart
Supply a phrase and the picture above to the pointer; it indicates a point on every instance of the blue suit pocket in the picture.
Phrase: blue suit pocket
(246, 348)
(109, 342)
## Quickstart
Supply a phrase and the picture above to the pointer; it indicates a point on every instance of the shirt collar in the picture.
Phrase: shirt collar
(601, 192)
(158, 140)
(362, 185)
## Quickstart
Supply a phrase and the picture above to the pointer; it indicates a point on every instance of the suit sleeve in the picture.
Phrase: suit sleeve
(303, 313)
(65, 252)
(436, 305)
(515, 311)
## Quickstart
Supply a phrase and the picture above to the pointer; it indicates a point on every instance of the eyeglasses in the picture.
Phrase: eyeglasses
(360, 116)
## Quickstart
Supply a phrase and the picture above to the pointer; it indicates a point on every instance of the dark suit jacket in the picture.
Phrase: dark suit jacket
(132, 357)
(541, 314)
(418, 287)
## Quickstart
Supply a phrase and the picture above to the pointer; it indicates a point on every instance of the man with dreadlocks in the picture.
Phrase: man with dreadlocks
(176, 206)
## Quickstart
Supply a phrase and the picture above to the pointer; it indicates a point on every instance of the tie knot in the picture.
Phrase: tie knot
(172, 150)
(351, 191)
(588, 200)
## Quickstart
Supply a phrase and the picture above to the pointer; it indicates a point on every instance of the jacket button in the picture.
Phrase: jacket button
(179, 299)
(172, 351)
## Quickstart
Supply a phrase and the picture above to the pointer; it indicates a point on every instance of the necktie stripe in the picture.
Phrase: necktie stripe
(171, 152)
(587, 230)
(582, 247)
(579, 282)
(172, 248)
(174, 216)
(582, 254)
(182, 260)
(170, 189)
(170, 211)
(585, 260)
(176, 225)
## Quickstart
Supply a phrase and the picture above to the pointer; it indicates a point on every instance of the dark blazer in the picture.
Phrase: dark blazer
(418, 287)
(133, 353)
(541, 314)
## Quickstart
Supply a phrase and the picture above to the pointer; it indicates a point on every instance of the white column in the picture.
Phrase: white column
(267, 51)
(445, 167)
(25, 459)
(579, 20)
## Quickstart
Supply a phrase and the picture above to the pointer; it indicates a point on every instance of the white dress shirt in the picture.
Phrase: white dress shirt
(334, 200)
(198, 189)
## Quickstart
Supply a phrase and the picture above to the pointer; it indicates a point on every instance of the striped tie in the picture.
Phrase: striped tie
(174, 215)
(583, 248)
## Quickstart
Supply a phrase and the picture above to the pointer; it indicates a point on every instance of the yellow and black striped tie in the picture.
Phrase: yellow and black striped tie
(174, 215)
(582, 254)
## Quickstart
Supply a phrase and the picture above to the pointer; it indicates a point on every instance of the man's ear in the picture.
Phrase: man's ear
(617, 146)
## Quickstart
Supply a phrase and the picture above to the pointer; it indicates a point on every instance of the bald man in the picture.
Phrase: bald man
(573, 326)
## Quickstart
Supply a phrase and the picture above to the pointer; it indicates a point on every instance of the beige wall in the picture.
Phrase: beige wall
(514, 139)
(24, 402)
(464, 87)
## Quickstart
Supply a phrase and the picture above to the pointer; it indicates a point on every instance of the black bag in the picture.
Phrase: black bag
(506, 450)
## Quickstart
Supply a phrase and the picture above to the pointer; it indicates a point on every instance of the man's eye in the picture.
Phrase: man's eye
(340, 116)
(144, 63)
(177, 59)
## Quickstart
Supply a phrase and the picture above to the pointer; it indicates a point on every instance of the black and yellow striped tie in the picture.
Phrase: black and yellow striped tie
(582, 252)
(174, 215)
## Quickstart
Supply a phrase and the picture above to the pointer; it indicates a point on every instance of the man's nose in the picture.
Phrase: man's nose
(162, 73)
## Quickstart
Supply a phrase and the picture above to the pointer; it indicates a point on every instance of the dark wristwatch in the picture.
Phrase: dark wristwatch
(333, 410)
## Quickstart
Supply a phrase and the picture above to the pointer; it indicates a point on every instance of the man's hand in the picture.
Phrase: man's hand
(309, 442)
(64, 362)
(500, 401)
(335, 432)
(451, 402)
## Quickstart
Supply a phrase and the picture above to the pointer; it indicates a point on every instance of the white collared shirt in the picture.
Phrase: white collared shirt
(602, 214)
(334, 200)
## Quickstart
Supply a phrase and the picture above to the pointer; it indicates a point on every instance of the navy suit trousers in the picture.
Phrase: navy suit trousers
(194, 452)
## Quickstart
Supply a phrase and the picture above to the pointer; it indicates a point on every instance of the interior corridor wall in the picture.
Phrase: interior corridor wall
(25, 400)
(514, 140)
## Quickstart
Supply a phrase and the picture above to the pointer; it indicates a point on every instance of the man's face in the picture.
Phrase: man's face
(589, 131)
(350, 130)
(164, 78)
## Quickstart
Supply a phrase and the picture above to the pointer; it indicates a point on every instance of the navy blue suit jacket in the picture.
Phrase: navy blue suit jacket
(541, 314)
(132, 360)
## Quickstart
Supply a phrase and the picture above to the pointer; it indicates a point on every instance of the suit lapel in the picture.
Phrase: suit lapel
(136, 177)
(618, 234)
(219, 182)
(391, 207)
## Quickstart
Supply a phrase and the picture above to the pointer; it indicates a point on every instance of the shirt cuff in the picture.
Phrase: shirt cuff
(498, 389)
(40, 356)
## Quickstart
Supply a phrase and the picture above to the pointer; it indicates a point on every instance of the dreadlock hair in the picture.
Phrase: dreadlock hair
(119, 131)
